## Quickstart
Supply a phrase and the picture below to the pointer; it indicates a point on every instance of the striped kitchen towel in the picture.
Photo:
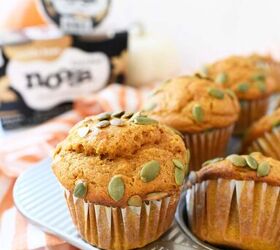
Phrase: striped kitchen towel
(25, 148)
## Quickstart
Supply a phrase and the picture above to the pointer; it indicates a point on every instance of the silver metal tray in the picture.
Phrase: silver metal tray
(39, 197)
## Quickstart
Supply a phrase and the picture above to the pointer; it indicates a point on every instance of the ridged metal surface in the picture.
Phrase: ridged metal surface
(39, 198)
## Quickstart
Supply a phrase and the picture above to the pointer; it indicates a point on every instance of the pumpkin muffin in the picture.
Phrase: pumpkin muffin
(264, 136)
(201, 111)
(251, 84)
(122, 174)
(234, 202)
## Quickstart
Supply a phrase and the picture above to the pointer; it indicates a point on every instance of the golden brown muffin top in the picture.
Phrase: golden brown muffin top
(254, 167)
(247, 78)
(265, 124)
(193, 104)
(121, 160)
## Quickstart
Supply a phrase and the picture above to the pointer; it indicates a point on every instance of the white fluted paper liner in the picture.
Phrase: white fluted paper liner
(239, 214)
(207, 145)
(250, 112)
(122, 228)
(268, 144)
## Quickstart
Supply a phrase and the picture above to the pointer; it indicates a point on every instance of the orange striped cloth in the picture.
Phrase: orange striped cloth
(22, 149)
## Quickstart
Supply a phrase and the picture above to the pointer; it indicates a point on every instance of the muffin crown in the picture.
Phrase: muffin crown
(254, 167)
(193, 104)
(248, 77)
(120, 159)
(265, 124)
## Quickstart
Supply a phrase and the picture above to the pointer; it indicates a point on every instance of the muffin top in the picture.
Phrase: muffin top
(246, 76)
(254, 167)
(121, 159)
(193, 104)
(265, 124)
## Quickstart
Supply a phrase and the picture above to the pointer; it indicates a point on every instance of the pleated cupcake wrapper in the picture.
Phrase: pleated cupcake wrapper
(207, 145)
(122, 228)
(250, 111)
(235, 213)
(268, 144)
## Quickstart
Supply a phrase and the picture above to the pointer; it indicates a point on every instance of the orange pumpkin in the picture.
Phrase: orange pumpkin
(17, 14)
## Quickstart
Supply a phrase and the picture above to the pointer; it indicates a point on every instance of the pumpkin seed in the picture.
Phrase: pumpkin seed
(251, 162)
(211, 161)
(117, 122)
(95, 131)
(127, 115)
(150, 106)
(150, 171)
(261, 86)
(178, 164)
(258, 77)
(118, 114)
(142, 120)
(204, 71)
(82, 132)
(197, 113)
(156, 196)
(263, 169)
(276, 124)
(217, 93)
(103, 124)
(179, 176)
(221, 78)
(230, 93)
(104, 116)
(80, 189)
(116, 188)
(135, 201)
(237, 160)
(243, 87)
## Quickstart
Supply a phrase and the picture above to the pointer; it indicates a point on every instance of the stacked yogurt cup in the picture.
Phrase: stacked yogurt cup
(123, 172)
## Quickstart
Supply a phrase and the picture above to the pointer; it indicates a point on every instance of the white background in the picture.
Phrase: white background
(204, 30)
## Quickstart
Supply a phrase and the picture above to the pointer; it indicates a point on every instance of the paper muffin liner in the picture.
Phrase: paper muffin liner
(207, 145)
(122, 228)
(250, 111)
(239, 214)
(267, 144)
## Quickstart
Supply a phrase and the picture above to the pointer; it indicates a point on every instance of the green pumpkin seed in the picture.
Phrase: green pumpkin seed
(118, 114)
(104, 116)
(258, 77)
(149, 171)
(230, 93)
(197, 113)
(150, 106)
(117, 122)
(263, 169)
(243, 87)
(237, 160)
(142, 120)
(135, 201)
(82, 132)
(156, 196)
(179, 176)
(221, 78)
(127, 115)
(204, 71)
(211, 161)
(261, 86)
(80, 189)
(116, 188)
(103, 124)
(251, 162)
(217, 93)
(276, 124)
(178, 164)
